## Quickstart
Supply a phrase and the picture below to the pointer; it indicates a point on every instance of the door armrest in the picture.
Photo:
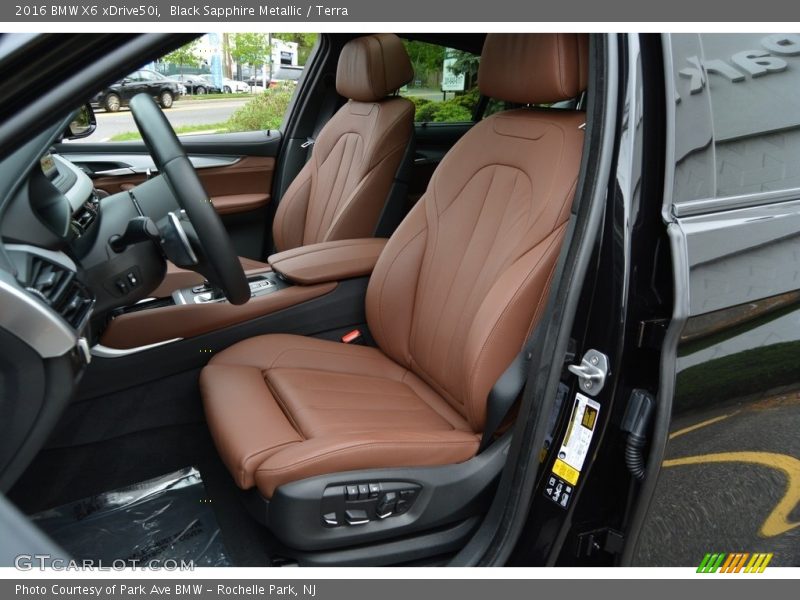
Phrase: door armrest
(328, 261)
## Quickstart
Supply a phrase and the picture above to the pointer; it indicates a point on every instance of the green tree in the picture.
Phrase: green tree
(305, 43)
(426, 59)
(185, 55)
(249, 49)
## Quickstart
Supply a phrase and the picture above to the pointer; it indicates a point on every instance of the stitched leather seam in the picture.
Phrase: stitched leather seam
(359, 447)
(386, 277)
(243, 470)
(479, 361)
(428, 404)
(347, 206)
(283, 407)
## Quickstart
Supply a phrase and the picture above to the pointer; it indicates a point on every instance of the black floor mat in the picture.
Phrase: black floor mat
(61, 475)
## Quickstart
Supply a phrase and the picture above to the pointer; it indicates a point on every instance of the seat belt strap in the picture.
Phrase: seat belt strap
(326, 112)
(395, 206)
(508, 387)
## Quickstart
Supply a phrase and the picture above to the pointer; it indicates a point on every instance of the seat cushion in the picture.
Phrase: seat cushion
(284, 407)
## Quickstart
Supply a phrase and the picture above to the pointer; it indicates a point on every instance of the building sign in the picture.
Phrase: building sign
(451, 82)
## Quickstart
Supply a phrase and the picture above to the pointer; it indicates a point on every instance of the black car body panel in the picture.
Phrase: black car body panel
(731, 466)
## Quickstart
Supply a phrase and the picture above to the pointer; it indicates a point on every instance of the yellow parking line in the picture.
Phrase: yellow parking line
(777, 522)
(699, 425)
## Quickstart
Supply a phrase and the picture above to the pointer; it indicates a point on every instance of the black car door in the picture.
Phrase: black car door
(132, 85)
(726, 497)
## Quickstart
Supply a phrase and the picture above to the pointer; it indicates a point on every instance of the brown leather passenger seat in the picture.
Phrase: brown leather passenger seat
(340, 192)
(450, 303)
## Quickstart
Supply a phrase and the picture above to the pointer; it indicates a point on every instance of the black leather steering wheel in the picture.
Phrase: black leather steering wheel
(222, 266)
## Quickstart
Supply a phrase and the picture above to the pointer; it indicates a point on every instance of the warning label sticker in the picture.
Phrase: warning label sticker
(576, 442)
(558, 490)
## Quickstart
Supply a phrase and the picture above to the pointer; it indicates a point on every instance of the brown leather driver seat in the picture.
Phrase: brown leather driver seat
(340, 192)
(450, 303)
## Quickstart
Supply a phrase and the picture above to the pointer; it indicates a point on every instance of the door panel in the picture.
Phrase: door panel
(247, 176)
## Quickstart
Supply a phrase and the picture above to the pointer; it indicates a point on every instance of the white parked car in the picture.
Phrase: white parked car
(231, 86)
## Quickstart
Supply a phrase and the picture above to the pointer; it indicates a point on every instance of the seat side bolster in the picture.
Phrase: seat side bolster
(288, 227)
(364, 450)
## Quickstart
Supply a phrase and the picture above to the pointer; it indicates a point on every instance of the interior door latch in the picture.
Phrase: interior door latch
(592, 372)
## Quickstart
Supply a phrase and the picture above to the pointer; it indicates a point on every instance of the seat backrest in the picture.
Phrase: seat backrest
(340, 192)
(463, 279)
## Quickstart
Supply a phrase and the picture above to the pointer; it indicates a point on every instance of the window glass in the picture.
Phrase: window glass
(232, 59)
(445, 84)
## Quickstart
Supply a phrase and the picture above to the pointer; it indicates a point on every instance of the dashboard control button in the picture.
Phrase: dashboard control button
(352, 492)
(330, 519)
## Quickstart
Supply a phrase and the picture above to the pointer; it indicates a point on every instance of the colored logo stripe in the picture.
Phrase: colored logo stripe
(734, 562)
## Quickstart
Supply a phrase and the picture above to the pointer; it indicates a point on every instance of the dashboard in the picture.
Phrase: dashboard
(60, 281)
(72, 207)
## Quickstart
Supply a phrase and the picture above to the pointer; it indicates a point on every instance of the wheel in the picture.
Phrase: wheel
(112, 103)
(199, 90)
(227, 89)
(165, 99)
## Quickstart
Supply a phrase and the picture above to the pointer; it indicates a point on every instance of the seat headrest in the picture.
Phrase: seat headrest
(534, 68)
(372, 67)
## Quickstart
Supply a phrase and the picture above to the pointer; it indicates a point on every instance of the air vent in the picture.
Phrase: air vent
(60, 289)
(83, 218)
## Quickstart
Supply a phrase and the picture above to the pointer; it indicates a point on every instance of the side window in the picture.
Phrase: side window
(236, 62)
(445, 84)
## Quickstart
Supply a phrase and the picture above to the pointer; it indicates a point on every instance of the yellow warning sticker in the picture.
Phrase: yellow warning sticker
(566, 472)
(577, 439)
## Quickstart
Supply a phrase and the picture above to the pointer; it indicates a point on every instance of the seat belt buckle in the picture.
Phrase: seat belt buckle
(307, 143)
(351, 336)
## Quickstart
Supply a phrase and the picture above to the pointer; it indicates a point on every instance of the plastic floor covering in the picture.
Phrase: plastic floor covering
(162, 522)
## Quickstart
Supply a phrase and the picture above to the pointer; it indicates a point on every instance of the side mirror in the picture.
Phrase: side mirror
(82, 125)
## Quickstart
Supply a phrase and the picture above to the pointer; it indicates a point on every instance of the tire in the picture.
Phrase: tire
(112, 103)
(227, 90)
(200, 90)
(165, 99)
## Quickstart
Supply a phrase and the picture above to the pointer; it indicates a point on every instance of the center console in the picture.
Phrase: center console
(260, 285)
(293, 277)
